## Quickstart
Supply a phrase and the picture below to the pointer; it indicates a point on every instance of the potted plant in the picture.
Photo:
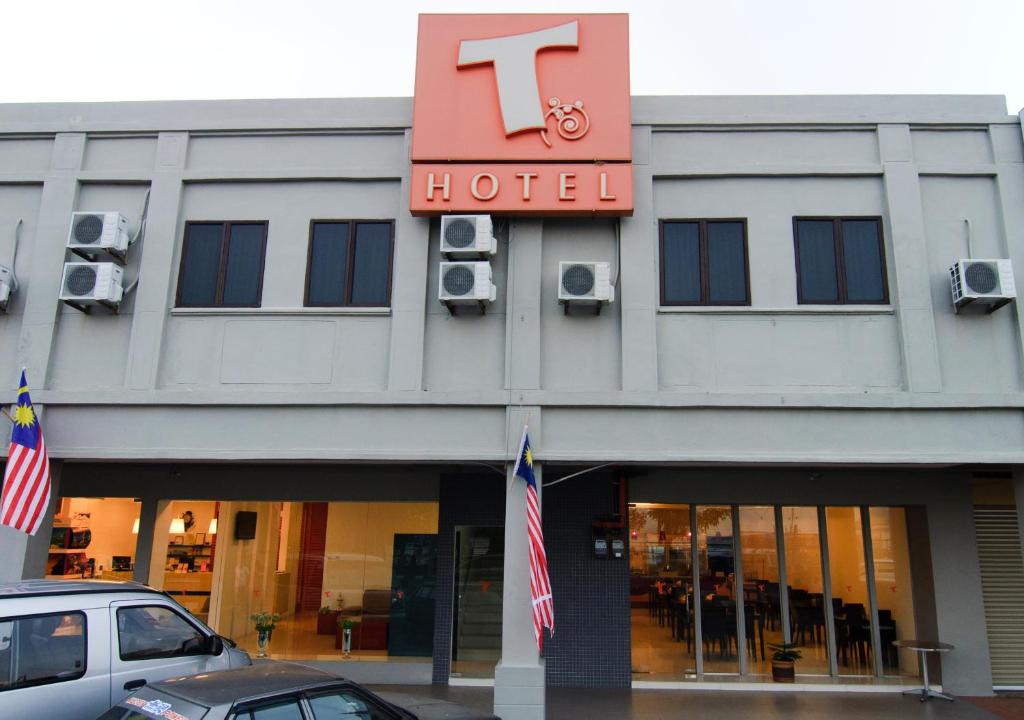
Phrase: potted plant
(327, 620)
(784, 655)
(346, 629)
(265, 623)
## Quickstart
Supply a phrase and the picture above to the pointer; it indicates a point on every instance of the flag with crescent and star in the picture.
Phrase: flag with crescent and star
(26, 491)
(540, 585)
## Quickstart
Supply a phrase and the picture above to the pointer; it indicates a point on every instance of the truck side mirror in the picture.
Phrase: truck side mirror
(214, 645)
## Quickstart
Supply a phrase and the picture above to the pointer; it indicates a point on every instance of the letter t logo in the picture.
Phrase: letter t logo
(515, 68)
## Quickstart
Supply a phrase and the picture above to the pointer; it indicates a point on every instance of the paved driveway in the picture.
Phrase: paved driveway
(573, 704)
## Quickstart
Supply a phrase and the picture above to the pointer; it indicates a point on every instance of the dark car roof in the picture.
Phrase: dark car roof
(261, 678)
(36, 588)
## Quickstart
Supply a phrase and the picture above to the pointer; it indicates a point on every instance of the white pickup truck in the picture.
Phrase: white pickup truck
(73, 649)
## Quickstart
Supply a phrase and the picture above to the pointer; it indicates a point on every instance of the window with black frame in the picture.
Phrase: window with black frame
(349, 263)
(704, 262)
(840, 260)
(222, 264)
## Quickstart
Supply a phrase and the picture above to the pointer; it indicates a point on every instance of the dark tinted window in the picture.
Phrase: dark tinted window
(222, 265)
(156, 632)
(288, 710)
(346, 705)
(372, 261)
(328, 264)
(349, 264)
(200, 265)
(840, 261)
(727, 263)
(244, 265)
(41, 649)
(817, 256)
(704, 262)
(681, 262)
(862, 258)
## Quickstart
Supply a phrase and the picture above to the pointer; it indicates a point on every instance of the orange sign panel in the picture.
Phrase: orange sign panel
(530, 189)
(537, 90)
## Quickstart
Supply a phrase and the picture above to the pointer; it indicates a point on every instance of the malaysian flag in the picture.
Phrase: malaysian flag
(26, 494)
(540, 586)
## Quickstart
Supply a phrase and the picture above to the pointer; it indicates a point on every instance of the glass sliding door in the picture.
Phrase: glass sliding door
(661, 592)
(802, 573)
(893, 589)
(761, 600)
(850, 601)
(476, 623)
(806, 589)
(718, 590)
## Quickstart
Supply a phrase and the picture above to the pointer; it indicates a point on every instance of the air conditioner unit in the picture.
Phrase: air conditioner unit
(87, 283)
(94, 231)
(8, 285)
(467, 235)
(465, 283)
(983, 283)
(585, 283)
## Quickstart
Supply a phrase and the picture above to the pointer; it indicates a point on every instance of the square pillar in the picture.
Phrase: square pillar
(25, 555)
(519, 675)
(158, 532)
(959, 606)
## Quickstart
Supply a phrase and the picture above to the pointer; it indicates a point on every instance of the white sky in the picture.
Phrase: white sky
(147, 50)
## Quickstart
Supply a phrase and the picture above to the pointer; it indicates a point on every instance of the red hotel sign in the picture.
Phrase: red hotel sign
(522, 114)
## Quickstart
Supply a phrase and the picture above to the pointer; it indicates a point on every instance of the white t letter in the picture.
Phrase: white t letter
(515, 68)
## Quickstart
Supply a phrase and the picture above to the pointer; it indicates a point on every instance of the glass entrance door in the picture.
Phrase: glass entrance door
(476, 623)
(712, 587)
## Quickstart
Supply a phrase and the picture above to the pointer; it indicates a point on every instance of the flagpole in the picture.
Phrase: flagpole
(519, 455)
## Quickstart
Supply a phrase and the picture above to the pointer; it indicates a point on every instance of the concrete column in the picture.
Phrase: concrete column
(519, 676)
(158, 551)
(638, 295)
(1008, 155)
(153, 295)
(42, 308)
(150, 507)
(522, 322)
(409, 287)
(912, 297)
(1018, 491)
(25, 555)
(959, 606)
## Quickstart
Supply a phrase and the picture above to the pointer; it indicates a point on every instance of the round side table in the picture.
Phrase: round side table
(923, 647)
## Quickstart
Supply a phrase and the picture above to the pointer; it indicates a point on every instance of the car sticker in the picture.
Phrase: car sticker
(134, 701)
(171, 715)
(156, 707)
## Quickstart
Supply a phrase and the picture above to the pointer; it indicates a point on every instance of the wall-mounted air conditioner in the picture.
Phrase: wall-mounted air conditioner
(465, 283)
(8, 285)
(585, 283)
(987, 284)
(87, 283)
(98, 231)
(467, 236)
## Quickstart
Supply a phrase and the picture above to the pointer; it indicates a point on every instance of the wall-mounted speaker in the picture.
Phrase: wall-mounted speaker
(245, 525)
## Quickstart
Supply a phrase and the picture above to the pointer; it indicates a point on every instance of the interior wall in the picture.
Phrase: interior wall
(110, 520)
(202, 513)
(244, 569)
(360, 545)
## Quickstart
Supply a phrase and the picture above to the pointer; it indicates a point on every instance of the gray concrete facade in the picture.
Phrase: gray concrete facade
(904, 398)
